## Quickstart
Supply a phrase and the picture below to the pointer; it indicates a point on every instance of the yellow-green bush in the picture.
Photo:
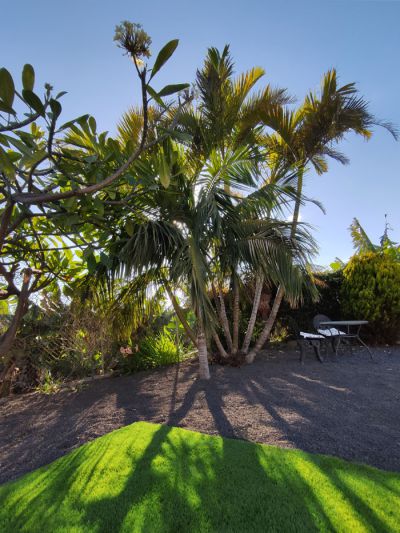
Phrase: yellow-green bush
(371, 291)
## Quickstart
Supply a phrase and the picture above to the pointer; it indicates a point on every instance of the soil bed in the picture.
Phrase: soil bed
(347, 406)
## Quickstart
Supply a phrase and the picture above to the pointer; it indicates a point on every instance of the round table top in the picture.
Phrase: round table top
(334, 323)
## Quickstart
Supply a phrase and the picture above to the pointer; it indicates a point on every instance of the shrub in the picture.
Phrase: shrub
(329, 287)
(155, 350)
(371, 291)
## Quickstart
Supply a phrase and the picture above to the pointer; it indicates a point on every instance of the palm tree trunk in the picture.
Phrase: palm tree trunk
(296, 211)
(204, 371)
(180, 314)
(236, 313)
(224, 320)
(280, 293)
(219, 345)
(253, 316)
(267, 328)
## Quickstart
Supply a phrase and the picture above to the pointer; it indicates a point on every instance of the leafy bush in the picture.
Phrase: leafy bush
(371, 291)
(155, 350)
(329, 287)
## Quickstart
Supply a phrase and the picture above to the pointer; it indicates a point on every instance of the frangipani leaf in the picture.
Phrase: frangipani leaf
(7, 88)
(171, 89)
(33, 101)
(28, 77)
(164, 54)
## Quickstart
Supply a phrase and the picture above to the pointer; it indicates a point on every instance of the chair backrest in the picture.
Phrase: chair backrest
(318, 319)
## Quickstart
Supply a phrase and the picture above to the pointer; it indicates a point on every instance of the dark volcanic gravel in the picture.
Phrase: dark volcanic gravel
(349, 407)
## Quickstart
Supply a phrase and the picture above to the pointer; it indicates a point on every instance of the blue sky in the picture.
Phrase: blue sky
(70, 45)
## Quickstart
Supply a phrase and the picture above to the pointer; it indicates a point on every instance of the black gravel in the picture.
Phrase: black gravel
(347, 406)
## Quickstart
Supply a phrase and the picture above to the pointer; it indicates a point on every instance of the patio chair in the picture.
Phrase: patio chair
(305, 339)
(329, 333)
(324, 330)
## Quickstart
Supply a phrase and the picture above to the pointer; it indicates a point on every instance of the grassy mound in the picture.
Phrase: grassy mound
(152, 478)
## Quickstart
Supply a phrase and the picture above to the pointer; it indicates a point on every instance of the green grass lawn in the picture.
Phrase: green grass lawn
(151, 478)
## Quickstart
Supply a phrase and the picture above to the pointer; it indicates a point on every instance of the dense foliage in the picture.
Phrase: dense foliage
(371, 291)
(328, 303)
(188, 198)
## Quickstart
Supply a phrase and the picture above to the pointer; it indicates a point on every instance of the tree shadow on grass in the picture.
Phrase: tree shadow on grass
(163, 479)
(178, 485)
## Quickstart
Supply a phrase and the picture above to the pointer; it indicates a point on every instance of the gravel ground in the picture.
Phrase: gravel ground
(348, 406)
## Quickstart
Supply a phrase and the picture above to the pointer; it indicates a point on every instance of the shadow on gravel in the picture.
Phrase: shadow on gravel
(346, 407)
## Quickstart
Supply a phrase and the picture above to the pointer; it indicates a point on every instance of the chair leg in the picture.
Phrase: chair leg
(317, 349)
(336, 344)
(301, 347)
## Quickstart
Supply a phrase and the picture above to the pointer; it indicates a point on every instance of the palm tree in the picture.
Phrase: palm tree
(227, 119)
(309, 136)
(190, 230)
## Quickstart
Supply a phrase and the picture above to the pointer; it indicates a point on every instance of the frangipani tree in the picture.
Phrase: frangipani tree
(59, 181)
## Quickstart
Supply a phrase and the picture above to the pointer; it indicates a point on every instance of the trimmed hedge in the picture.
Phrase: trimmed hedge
(371, 291)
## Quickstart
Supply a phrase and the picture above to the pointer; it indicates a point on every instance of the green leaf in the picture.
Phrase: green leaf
(98, 206)
(7, 88)
(6, 165)
(91, 263)
(180, 136)
(56, 108)
(92, 124)
(129, 228)
(105, 260)
(33, 101)
(70, 203)
(154, 95)
(164, 172)
(171, 89)
(71, 122)
(21, 146)
(4, 308)
(164, 54)
(6, 108)
(13, 156)
(32, 159)
(28, 77)
(59, 95)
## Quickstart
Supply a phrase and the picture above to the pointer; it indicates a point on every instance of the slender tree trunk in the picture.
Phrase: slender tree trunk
(180, 314)
(236, 313)
(253, 316)
(8, 338)
(296, 212)
(204, 371)
(280, 293)
(5, 221)
(224, 320)
(267, 328)
(219, 345)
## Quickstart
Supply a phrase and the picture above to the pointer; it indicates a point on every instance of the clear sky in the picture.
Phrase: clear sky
(70, 45)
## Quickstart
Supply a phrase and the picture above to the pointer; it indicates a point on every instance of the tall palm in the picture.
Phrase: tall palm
(228, 117)
(181, 229)
(309, 136)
